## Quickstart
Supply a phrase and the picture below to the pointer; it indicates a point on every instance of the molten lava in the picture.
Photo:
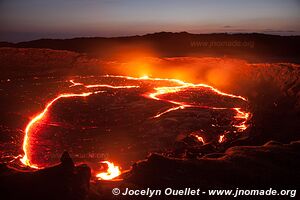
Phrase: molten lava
(221, 138)
(111, 172)
(157, 94)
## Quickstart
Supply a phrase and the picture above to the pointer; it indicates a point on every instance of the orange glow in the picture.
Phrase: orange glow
(111, 173)
(223, 73)
(219, 76)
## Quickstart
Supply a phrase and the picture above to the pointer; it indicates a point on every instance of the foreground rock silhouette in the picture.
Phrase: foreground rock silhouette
(272, 165)
(63, 181)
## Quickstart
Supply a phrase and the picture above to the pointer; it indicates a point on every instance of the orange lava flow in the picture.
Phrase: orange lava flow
(36, 119)
(114, 171)
(111, 172)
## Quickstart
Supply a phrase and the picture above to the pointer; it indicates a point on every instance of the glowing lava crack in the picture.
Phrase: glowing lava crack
(113, 171)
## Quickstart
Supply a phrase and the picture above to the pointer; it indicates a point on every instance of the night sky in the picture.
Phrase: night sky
(34, 19)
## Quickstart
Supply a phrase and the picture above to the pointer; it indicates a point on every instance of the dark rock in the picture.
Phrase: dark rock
(269, 165)
(66, 160)
(63, 181)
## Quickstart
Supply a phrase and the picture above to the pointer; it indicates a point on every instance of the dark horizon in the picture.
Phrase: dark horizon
(150, 33)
